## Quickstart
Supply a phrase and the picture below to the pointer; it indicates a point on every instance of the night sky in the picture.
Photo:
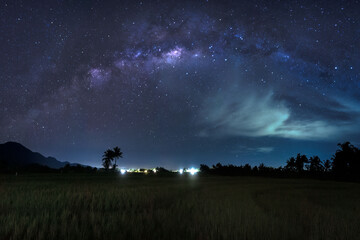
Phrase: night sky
(177, 83)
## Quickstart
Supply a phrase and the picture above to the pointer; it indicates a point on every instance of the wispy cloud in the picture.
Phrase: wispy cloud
(246, 149)
(252, 113)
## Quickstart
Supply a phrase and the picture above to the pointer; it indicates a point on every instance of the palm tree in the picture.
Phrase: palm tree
(107, 158)
(116, 154)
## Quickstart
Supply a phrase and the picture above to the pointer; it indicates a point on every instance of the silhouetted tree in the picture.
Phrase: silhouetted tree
(77, 169)
(290, 165)
(247, 168)
(218, 165)
(204, 168)
(262, 167)
(300, 161)
(110, 156)
(327, 165)
(316, 165)
(346, 160)
(116, 155)
(296, 164)
(162, 171)
(107, 158)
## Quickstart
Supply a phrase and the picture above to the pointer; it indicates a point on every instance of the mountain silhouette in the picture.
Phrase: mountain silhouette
(14, 154)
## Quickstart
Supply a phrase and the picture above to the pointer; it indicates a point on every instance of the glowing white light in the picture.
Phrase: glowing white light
(122, 171)
(192, 171)
(154, 170)
(181, 171)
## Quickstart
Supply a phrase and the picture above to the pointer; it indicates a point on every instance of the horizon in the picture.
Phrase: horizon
(179, 84)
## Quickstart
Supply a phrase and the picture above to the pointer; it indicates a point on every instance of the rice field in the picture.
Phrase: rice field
(75, 206)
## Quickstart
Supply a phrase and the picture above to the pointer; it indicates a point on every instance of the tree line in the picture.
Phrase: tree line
(344, 164)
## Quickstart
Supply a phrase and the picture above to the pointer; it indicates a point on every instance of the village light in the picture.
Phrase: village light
(181, 171)
(192, 171)
(154, 170)
(122, 171)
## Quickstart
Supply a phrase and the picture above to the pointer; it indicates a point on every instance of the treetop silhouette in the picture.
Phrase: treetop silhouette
(110, 157)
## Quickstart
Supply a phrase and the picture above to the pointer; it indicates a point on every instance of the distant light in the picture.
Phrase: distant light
(145, 171)
(154, 170)
(192, 171)
(181, 171)
(122, 171)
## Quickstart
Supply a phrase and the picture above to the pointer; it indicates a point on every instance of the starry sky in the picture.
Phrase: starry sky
(179, 83)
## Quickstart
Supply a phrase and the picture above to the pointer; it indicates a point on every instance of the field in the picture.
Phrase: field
(74, 206)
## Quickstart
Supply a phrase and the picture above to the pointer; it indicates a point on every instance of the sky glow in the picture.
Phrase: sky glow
(179, 83)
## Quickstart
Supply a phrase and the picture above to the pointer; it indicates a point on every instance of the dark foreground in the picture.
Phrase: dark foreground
(148, 207)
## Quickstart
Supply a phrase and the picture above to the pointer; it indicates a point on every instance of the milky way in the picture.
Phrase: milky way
(176, 84)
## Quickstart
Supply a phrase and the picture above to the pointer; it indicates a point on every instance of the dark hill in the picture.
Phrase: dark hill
(14, 155)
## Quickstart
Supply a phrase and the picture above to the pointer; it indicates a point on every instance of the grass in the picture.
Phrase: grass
(140, 207)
